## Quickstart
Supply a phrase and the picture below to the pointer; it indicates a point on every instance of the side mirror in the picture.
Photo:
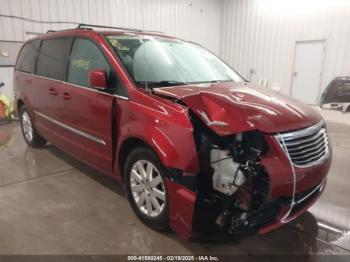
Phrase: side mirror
(98, 79)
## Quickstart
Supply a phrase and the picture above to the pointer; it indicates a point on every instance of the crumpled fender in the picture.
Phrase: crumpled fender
(159, 129)
(170, 152)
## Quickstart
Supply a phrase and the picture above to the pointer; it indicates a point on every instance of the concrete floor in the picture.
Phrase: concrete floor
(53, 204)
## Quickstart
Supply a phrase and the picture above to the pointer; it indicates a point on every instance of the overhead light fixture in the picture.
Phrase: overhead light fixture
(4, 53)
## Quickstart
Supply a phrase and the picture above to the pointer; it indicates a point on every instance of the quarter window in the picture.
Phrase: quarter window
(26, 59)
(52, 58)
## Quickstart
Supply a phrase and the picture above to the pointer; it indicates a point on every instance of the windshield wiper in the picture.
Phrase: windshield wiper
(213, 81)
(160, 83)
(166, 83)
(220, 81)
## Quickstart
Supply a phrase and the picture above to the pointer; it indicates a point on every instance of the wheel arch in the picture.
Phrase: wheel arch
(19, 104)
(160, 144)
(127, 146)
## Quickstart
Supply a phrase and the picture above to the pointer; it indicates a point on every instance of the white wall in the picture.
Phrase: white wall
(261, 34)
(248, 34)
(195, 20)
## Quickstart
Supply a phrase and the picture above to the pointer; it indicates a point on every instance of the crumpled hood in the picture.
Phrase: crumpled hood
(237, 107)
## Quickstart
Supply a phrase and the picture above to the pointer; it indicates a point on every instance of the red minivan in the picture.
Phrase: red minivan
(198, 148)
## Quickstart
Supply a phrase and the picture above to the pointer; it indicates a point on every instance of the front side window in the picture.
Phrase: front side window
(27, 57)
(52, 58)
(86, 56)
(164, 61)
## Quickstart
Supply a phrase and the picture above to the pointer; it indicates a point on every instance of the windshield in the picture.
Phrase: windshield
(164, 61)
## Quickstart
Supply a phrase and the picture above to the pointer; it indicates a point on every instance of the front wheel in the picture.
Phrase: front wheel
(145, 185)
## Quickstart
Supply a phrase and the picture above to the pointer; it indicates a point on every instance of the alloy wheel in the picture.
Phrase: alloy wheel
(27, 126)
(147, 188)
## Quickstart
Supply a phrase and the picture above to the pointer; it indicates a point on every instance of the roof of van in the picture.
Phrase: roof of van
(87, 29)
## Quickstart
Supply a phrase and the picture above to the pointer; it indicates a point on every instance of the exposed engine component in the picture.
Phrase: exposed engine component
(227, 176)
(233, 185)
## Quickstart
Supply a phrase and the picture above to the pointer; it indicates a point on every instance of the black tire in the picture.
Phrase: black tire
(36, 140)
(161, 221)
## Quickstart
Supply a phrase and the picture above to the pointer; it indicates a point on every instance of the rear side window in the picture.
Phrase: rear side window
(27, 57)
(52, 58)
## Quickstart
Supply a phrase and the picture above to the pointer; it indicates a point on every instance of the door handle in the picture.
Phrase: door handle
(53, 92)
(66, 96)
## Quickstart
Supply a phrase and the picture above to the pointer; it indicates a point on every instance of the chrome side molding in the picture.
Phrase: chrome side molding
(72, 129)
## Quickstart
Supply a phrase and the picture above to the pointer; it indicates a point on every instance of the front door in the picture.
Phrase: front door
(87, 112)
(307, 73)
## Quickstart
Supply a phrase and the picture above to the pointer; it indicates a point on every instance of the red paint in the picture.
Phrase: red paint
(279, 223)
(278, 168)
(181, 208)
(245, 107)
(163, 125)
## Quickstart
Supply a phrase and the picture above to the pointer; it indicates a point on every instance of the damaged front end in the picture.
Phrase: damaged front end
(246, 181)
(235, 193)
(232, 184)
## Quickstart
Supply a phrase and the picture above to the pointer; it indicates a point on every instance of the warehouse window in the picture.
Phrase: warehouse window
(26, 59)
(52, 58)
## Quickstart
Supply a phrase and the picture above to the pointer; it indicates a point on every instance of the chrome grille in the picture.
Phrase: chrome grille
(308, 146)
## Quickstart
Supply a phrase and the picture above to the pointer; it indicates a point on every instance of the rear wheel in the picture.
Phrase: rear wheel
(145, 185)
(29, 132)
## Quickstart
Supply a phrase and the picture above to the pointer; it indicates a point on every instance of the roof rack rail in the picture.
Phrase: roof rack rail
(86, 26)
(51, 31)
(154, 31)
